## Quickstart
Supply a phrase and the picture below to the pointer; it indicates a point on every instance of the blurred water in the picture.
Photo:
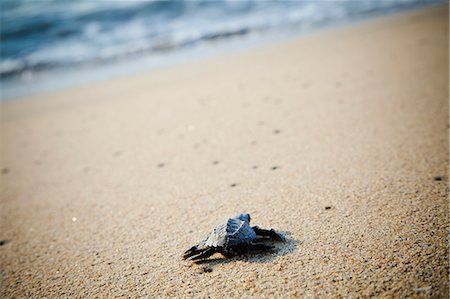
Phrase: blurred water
(42, 36)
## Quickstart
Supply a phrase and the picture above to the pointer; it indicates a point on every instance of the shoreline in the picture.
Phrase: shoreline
(339, 140)
(13, 89)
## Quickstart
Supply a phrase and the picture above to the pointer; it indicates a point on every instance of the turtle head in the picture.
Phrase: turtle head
(243, 217)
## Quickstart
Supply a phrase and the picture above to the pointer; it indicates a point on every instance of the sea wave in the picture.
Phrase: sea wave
(47, 34)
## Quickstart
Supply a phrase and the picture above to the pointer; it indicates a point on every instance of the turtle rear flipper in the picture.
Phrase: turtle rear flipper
(270, 233)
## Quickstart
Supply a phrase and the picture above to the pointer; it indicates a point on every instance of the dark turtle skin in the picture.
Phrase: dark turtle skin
(234, 237)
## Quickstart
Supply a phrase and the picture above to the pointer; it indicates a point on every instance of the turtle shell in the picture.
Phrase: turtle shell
(234, 232)
(217, 238)
(239, 232)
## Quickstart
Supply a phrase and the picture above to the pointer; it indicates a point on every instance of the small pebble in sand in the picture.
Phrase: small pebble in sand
(74, 219)
(3, 242)
(438, 178)
(233, 185)
(327, 207)
(422, 289)
(275, 167)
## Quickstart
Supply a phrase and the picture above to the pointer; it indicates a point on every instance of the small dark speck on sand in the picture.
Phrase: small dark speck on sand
(425, 289)
(160, 165)
(275, 167)
(233, 185)
(255, 167)
(3, 242)
(328, 208)
(215, 162)
(5, 170)
(438, 178)
(276, 131)
(205, 269)
(117, 154)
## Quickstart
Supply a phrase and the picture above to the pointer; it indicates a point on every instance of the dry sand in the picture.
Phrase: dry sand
(104, 186)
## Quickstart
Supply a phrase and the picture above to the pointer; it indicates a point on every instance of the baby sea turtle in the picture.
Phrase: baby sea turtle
(231, 238)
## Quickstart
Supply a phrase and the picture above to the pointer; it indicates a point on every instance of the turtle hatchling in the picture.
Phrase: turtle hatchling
(234, 237)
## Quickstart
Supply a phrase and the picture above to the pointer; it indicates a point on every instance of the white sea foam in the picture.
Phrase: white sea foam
(49, 35)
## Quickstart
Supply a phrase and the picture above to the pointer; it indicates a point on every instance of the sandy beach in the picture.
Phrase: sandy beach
(338, 139)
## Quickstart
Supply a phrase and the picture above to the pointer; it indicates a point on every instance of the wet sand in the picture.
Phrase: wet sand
(338, 139)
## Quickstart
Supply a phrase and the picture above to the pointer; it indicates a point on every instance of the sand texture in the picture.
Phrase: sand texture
(104, 186)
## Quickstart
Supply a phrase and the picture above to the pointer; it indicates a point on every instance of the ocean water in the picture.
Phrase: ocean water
(46, 44)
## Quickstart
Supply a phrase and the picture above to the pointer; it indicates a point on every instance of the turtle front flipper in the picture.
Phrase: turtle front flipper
(196, 249)
(203, 253)
(191, 252)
